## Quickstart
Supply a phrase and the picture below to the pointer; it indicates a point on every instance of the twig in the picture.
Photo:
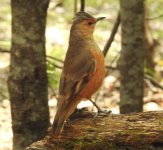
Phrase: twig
(56, 59)
(3, 96)
(111, 38)
(75, 6)
(149, 100)
(153, 81)
(82, 7)
(115, 58)
(150, 85)
(110, 67)
(154, 18)
(4, 50)
(54, 65)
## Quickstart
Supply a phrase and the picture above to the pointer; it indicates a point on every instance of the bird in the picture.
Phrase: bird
(83, 70)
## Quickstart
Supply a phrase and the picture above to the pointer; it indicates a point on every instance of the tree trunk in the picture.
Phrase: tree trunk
(131, 61)
(27, 82)
(139, 131)
(150, 47)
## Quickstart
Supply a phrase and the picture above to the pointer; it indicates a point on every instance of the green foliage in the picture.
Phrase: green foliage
(57, 51)
(154, 8)
(53, 78)
(155, 15)
(149, 71)
(53, 73)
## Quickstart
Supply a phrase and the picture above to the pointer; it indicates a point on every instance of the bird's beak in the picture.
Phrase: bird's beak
(100, 18)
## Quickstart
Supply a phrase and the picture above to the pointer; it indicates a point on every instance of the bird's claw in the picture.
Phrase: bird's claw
(104, 113)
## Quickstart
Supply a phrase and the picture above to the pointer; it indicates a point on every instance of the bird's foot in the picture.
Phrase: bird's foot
(101, 113)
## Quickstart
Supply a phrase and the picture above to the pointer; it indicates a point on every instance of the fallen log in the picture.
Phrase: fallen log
(137, 131)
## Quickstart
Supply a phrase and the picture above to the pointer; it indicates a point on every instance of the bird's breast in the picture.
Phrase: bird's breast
(98, 76)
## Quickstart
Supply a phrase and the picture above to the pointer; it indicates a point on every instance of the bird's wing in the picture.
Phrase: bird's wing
(78, 69)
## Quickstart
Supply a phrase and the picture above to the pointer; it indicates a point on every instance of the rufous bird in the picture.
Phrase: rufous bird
(83, 70)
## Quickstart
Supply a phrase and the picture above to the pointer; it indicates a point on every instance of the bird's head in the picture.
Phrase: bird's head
(84, 24)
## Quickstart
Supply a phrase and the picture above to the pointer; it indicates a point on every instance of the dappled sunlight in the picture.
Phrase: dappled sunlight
(5, 126)
(4, 64)
(55, 36)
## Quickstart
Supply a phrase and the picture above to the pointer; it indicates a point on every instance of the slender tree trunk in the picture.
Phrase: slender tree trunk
(150, 47)
(131, 62)
(27, 82)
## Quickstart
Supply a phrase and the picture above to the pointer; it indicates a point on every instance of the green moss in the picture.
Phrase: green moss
(99, 144)
(76, 144)
(90, 143)
(135, 136)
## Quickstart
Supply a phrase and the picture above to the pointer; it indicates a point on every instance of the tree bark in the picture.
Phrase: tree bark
(131, 61)
(27, 82)
(143, 131)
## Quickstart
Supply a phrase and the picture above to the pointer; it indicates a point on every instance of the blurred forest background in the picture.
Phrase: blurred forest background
(59, 20)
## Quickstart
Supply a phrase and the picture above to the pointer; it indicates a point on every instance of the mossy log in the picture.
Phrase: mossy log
(137, 131)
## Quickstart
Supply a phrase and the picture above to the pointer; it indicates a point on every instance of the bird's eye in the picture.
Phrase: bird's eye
(90, 23)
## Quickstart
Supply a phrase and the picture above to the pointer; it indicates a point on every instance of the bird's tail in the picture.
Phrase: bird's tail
(58, 124)
(62, 114)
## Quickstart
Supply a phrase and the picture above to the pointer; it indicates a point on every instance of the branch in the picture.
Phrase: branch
(131, 131)
(3, 96)
(8, 51)
(154, 18)
(153, 81)
(111, 38)
(56, 59)
(110, 67)
(112, 62)
(54, 65)
(149, 100)
(4, 50)
(82, 5)
(75, 6)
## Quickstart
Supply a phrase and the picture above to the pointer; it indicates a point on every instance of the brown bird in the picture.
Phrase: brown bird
(83, 70)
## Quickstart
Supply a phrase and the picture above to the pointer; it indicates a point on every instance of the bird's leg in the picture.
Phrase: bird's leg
(100, 112)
